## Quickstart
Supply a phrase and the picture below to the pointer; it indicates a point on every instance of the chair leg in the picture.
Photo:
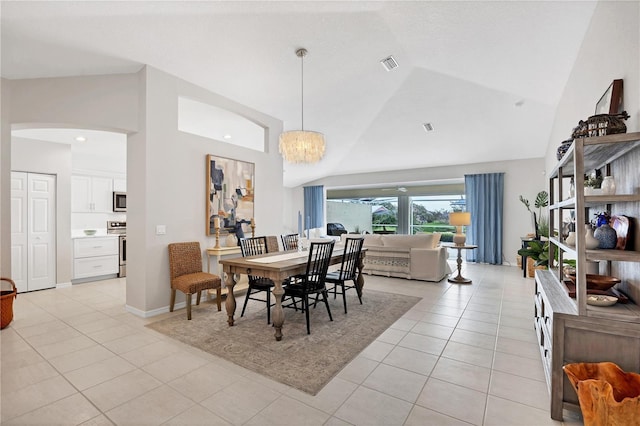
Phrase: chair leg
(219, 298)
(355, 286)
(173, 299)
(246, 299)
(198, 297)
(305, 304)
(325, 296)
(344, 297)
(188, 306)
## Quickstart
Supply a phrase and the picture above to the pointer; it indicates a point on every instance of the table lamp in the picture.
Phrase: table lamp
(459, 219)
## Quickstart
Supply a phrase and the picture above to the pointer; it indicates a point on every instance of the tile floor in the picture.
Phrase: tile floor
(465, 354)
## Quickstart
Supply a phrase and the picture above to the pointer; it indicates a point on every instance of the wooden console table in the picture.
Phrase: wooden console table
(219, 253)
(459, 279)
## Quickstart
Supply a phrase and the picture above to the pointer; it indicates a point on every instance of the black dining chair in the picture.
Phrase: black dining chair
(312, 282)
(252, 247)
(289, 242)
(348, 270)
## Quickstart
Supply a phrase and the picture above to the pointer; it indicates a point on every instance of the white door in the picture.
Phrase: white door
(33, 212)
(19, 233)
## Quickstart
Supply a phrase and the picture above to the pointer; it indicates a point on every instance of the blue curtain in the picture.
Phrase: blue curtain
(313, 206)
(485, 195)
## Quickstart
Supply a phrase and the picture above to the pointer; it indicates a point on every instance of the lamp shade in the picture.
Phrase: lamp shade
(460, 218)
(302, 146)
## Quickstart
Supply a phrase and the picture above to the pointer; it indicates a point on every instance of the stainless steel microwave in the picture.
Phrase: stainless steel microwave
(119, 201)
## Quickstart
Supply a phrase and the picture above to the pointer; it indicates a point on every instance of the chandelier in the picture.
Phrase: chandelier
(302, 146)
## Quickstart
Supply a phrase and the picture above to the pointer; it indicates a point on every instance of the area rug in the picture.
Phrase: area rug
(305, 362)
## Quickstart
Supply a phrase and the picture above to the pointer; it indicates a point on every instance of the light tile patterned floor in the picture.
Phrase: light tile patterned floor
(465, 354)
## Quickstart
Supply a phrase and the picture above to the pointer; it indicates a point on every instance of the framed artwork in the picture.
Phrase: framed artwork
(611, 100)
(230, 194)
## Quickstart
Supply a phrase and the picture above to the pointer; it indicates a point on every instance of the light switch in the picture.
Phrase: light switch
(161, 229)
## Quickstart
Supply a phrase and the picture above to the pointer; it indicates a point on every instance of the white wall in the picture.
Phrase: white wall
(5, 178)
(166, 179)
(54, 159)
(522, 177)
(99, 102)
(165, 168)
(611, 50)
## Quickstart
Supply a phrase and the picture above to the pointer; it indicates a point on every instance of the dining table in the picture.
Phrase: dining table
(278, 267)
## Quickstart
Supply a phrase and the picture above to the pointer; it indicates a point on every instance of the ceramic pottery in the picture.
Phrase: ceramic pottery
(607, 236)
(608, 185)
(590, 242)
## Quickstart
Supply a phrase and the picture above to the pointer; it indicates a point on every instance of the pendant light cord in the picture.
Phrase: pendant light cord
(302, 54)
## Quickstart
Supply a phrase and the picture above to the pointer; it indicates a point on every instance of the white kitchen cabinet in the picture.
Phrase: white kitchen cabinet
(95, 256)
(119, 185)
(91, 194)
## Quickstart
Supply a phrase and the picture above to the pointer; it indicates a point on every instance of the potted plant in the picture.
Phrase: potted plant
(592, 184)
(538, 252)
(541, 201)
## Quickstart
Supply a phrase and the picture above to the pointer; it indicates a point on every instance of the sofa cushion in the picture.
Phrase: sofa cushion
(370, 240)
(411, 241)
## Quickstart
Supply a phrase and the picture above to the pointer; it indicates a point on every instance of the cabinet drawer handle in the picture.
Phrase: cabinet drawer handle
(97, 266)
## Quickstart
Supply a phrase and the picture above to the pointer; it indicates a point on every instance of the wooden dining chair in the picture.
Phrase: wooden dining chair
(348, 270)
(185, 270)
(312, 282)
(289, 242)
(252, 247)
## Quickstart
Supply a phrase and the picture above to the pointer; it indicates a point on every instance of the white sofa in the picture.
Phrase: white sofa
(416, 257)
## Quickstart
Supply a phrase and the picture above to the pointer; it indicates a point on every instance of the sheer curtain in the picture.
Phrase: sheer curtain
(313, 206)
(485, 195)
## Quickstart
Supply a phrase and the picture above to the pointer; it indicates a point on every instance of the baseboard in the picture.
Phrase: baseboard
(63, 285)
(153, 312)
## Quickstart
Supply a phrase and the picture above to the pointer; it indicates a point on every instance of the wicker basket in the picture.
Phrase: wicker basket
(601, 125)
(6, 303)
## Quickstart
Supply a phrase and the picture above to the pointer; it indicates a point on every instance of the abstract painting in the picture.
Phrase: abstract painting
(230, 194)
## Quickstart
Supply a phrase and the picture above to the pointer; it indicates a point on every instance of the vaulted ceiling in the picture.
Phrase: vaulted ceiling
(486, 74)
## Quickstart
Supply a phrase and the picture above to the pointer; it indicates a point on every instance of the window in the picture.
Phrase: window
(222, 125)
(431, 214)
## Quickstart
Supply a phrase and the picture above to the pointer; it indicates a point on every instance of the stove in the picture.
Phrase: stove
(120, 229)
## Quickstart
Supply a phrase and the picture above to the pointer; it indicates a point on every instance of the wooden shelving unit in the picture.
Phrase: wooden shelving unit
(569, 330)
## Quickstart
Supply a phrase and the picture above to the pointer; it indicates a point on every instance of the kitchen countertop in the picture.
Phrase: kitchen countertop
(79, 233)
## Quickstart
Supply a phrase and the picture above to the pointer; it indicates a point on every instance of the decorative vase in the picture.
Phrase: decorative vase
(607, 236)
(572, 188)
(590, 242)
(608, 185)
(607, 394)
(563, 148)
(571, 239)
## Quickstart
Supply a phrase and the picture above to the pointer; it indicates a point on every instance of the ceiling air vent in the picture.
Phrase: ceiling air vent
(428, 127)
(389, 63)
